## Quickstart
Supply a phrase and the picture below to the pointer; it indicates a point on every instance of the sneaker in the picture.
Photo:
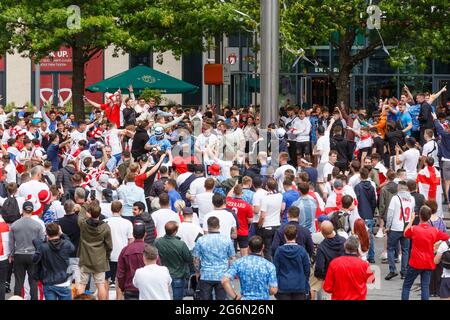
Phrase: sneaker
(112, 285)
(397, 260)
(379, 234)
(402, 276)
(391, 275)
(383, 255)
(371, 261)
(7, 288)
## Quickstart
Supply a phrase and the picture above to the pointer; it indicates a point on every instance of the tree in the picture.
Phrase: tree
(416, 28)
(35, 28)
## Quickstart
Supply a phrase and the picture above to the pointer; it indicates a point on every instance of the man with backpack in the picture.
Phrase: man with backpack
(10, 210)
(398, 216)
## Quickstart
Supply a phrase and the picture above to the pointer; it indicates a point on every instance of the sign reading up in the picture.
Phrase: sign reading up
(60, 60)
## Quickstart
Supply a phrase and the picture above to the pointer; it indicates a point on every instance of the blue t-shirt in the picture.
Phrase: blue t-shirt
(52, 156)
(256, 276)
(173, 197)
(289, 197)
(414, 111)
(406, 119)
(392, 116)
(164, 144)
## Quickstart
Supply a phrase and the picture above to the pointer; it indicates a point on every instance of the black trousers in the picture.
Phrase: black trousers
(304, 148)
(435, 283)
(267, 235)
(290, 296)
(23, 264)
(292, 150)
(3, 275)
(131, 295)
(206, 288)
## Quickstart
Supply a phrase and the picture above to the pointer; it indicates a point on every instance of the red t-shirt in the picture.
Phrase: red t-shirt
(423, 238)
(112, 113)
(244, 211)
(140, 179)
(347, 278)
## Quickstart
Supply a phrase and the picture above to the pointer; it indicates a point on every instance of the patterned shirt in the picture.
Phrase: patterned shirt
(247, 195)
(213, 251)
(256, 276)
(307, 207)
(414, 111)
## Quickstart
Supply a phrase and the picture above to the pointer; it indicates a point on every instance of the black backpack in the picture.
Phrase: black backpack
(10, 210)
(445, 259)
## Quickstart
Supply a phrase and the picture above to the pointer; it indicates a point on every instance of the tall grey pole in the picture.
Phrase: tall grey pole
(37, 85)
(269, 61)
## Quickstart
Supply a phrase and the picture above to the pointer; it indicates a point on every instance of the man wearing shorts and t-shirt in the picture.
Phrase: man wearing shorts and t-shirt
(244, 213)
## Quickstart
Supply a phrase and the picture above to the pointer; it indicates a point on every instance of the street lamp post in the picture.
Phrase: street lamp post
(269, 61)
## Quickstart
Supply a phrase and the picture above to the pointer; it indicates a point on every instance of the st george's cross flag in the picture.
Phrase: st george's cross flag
(429, 183)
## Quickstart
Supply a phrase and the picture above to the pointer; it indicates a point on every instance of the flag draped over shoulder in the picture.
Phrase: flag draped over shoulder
(429, 183)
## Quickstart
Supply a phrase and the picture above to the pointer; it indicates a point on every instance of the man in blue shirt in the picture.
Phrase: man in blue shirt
(158, 141)
(212, 255)
(257, 276)
(170, 188)
(405, 120)
(289, 197)
(307, 206)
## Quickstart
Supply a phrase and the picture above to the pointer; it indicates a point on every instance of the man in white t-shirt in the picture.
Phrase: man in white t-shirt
(121, 235)
(204, 199)
(188, 231)
(279, 172)
(164, 215)
(112, 139)
(227, 220)
(152, 281)
(34, 186)
(10, 169)
(270, 216)
(197, 186)
(259, 195)
(409, 158)
(430, 148)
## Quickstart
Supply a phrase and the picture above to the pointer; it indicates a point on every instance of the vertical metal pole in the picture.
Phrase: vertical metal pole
(269, 61)
(37, 85)
(217, 58)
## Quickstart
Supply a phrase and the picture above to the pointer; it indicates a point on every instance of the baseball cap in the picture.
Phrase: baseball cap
(28, 206)
(322, 218)
(159, 131)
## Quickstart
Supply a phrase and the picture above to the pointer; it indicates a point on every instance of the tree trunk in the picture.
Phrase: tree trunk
(343, 86)
(78, 83)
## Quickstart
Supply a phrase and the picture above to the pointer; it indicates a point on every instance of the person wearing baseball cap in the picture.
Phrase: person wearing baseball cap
(22, 234)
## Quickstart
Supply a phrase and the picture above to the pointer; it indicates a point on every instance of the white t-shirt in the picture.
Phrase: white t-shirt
(112, 139)
(442, 248)
(410, 159)
(197, 186)
(121, 231)
(78, 136)
(205, 205)
(153, 282)
(271, 205)
(58, 209)
(259, 195)
(188, 232)
(430, 149)
(161, 217)
(226, 221)
(32, 187)
(327, 170)
(323, 144)
(203, 141)
(279, 175)
(11, 173)
(106, 209)
(182, 178)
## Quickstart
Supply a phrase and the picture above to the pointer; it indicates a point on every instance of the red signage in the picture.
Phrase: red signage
(2, 64)
(58, 65)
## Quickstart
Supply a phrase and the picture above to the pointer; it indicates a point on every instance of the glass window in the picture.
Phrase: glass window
(378, 63)
(288, 89)
(145, 59)
(322, 55)
(379, 87)
(441, 68)
(414, 68)
(417, 84)
(233, 39)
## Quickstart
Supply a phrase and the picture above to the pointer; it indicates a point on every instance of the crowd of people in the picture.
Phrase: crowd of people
(163, 203)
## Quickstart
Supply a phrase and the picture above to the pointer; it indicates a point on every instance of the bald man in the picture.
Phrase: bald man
(331, 247)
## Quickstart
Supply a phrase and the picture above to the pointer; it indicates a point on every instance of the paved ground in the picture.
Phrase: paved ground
(382, 290)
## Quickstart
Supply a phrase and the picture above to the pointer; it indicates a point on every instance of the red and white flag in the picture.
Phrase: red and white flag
(429, 183)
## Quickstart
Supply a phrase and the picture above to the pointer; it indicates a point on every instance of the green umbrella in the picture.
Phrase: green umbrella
(142, 77)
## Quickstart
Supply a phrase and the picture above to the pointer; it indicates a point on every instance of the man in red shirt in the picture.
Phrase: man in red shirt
(244, 213)
(111, 107)
(421, 262)
(348, 275)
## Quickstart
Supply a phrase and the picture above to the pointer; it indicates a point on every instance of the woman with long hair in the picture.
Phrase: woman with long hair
(360, 230)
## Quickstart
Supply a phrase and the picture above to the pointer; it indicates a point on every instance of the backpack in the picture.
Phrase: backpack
(10, 210)
(338, 219)
(445, 259)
